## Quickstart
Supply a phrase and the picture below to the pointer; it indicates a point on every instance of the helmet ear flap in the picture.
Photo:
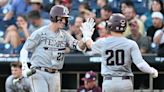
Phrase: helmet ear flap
(108, 25)
(53, 19)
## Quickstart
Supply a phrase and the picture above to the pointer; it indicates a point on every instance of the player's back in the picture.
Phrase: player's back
(116, 55)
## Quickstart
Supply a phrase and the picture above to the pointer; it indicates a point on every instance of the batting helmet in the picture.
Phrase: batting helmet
(117, 22)
(58, 11)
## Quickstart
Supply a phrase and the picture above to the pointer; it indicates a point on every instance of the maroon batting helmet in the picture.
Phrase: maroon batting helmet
(58, 11)
(117, 22)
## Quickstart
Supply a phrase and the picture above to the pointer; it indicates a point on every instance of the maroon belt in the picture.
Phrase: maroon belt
(110, 77)
(46, 69)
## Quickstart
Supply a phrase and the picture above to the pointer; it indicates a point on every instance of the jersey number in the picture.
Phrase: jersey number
(118, 57)
(60, 56)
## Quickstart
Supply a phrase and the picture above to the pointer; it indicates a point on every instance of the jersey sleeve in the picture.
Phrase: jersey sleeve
(27, 84)
(8, 85)
(32, 41)
(136, 54)
(97, 46)
(71, 41)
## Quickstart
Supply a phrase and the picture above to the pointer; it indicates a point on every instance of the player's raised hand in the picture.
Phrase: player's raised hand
(87, 29)
(155, 74)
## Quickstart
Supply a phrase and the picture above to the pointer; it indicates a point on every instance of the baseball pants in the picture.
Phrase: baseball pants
(117, 84)
(43, 81)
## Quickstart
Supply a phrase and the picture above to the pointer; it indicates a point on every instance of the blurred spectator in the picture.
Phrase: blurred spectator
(5, 7)
(142, 41)
(100, 4)
(156, 6)
(89, 83)
(85, 11)
(48, 6)
(102, 31)
(17, 35)
(130, 14)
(50, 3)
(37, 6)
(75, 29)
(83, 6)
(19, 7)
(157, 24)
(16, 82)
(159, 40)
(36, 21)
(124, 4)
(67, 3)
(105, 13)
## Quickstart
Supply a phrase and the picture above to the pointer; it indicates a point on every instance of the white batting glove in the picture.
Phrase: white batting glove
(25, 69)
(87, 29)
(155, 73)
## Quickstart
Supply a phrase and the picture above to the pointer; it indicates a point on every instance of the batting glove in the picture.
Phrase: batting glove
(155, 73)
(25, 69)
(87, 29)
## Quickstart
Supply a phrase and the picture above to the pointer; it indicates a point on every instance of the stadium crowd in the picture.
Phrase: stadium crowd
(19, 18)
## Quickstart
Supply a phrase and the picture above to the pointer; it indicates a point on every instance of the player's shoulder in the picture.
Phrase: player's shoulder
(40, 30)
(64, 31)
(101, 40)
(9, 79)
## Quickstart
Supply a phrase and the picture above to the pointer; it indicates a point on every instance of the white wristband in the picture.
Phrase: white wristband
(85, 39)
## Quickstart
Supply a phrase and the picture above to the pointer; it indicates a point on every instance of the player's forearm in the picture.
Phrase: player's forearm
(23, 55)
(144, 67)
(81, 45)
(8, 16)
(89, 43)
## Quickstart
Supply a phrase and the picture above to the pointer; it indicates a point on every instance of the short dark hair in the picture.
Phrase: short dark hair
(127, 2)
(161, 4)
(16, 64)
(34, 14)
(23, 16)
(86, 5)
(107, 8)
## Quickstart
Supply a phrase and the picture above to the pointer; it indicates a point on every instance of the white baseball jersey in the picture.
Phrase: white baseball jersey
(48, 47)
(23, 85)
(117, 55)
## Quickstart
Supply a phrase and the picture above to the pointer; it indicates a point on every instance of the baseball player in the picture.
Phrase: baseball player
(47, 45)
(16, 82)
(118, 53)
